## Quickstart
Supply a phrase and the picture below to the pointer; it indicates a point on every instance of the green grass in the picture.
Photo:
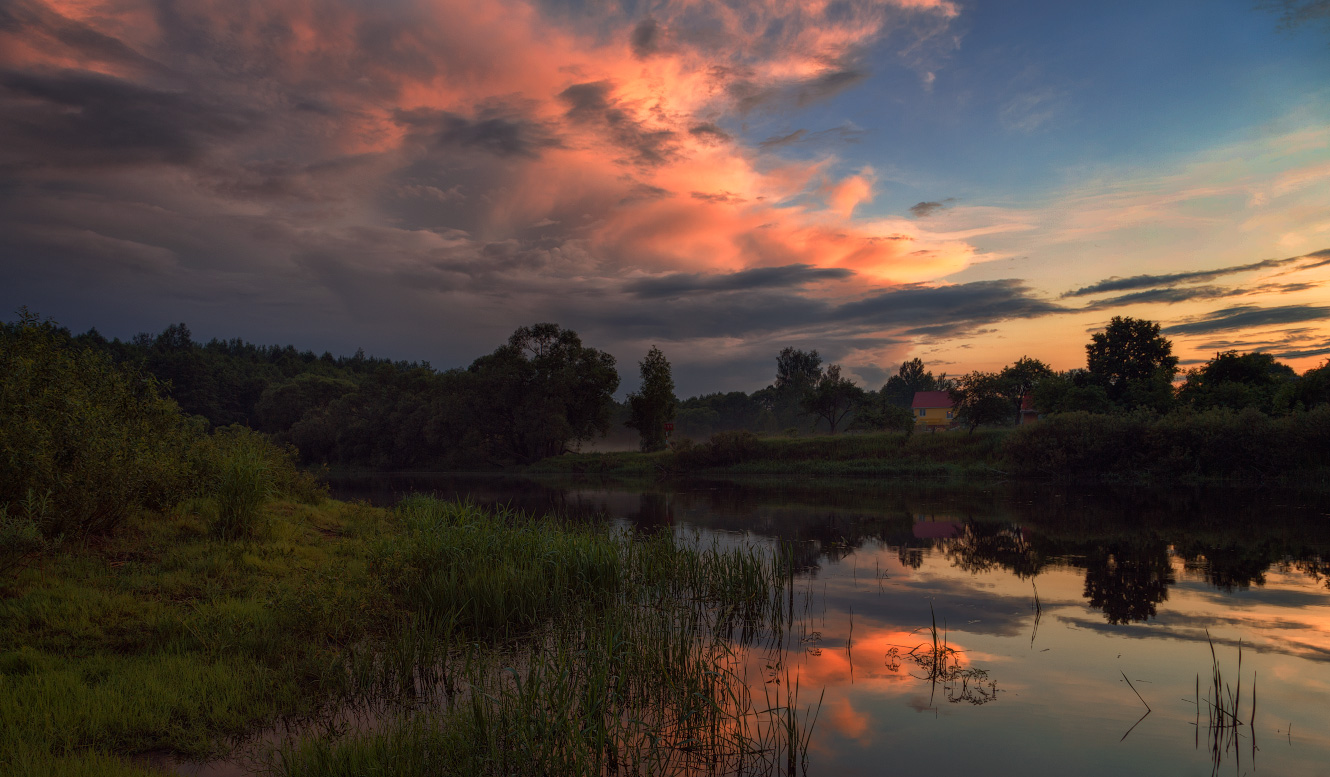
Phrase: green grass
(164, 637)
(881, 455)
(483, 641)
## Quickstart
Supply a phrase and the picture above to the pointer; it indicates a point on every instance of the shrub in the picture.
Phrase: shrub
(240, 470)
(91, 439)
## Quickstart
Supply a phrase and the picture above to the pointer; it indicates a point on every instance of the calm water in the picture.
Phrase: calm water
(1048, 597)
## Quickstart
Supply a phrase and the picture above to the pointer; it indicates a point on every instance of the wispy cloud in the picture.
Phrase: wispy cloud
(1249, 316)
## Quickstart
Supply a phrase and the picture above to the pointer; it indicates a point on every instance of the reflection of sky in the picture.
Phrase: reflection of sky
(1063, 705)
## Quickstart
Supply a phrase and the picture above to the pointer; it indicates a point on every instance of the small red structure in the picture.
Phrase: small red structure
(1028, 414)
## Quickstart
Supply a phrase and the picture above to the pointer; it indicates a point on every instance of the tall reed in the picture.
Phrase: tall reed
(532, 646)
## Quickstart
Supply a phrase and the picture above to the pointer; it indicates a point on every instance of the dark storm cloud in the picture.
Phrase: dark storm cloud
(1325, 351)
(761, 278)
(501, 133)
(846, 133)
(948, 310)
(646, 38)
(37, 22)
(591, 104)
(750, 96)
(1165, 296)
(82, 118)
(1319, 258)
(925, 209)
(766, 303)
(708, 130)
(1245, 316)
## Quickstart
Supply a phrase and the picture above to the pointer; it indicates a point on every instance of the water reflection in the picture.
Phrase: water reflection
(1128, 545)
(1048, 603)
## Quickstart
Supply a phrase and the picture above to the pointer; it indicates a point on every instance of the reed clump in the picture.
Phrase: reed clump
(529, 646)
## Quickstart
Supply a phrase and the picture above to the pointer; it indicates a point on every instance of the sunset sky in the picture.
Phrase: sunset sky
(966, 182)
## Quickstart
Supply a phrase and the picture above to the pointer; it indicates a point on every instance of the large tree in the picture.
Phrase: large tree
(1133, 362)
(900, 388)
(1236, 381)
(1020, 379)
(978, 399)
(653, 405)
(541, 391)
(832, 397)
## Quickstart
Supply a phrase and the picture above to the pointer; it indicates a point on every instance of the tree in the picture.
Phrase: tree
(977, 399)
(796, 373)
(797, 370)
(911, 378)
(541, 391)
(832, 397)
(1019, 380)
(1070, 391)
(1236, 381)
(1308, 391)
(1133, 362)
(878, 414)
(654, 404)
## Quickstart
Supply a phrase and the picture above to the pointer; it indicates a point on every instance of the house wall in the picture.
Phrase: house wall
(933, 416)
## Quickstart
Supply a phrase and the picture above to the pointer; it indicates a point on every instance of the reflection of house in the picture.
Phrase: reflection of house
(932, 410)
(932, 528)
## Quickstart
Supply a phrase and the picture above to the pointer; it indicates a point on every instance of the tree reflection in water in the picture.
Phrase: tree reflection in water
(1128, 581)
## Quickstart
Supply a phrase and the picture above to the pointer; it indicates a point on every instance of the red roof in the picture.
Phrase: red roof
(931, 399)
(1027, 404)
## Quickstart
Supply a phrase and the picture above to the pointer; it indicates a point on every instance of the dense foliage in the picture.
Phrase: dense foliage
(86, 443)
(544, 392)
(654, 404)
(83, 441)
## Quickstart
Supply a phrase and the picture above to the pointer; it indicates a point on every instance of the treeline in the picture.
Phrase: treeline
(543, 392)
(1130, 367)
(529, 399)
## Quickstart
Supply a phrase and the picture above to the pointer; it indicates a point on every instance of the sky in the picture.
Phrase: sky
(962, 182)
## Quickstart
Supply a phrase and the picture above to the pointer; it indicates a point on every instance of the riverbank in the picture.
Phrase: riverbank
(1184, 448)
(164, 643)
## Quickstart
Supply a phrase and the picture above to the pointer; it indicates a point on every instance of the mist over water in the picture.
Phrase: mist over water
(1074, 628)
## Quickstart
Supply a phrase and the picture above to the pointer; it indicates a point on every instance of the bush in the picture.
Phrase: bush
(240, 470)
(1184, 444)
(89, 439)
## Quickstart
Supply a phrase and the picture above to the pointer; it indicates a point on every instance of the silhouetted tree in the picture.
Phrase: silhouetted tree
(1236, 381)
(900, 388)
(541, 391)
(977, 399)
(1133, 362)
(654, 404)
(1020, 379)
(832, 397)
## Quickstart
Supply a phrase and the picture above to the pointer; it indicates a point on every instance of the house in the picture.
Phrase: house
(932, 410)
(1028, 414)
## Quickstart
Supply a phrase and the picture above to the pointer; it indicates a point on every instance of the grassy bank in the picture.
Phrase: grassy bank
(882, 455)
(1181, 447)
(477, 642)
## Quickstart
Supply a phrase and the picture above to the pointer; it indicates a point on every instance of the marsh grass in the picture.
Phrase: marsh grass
(942, 666)
(530, 646)
(434, 638)
(1225, 721)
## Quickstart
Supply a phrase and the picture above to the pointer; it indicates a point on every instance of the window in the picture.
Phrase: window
(948, 414)
(922, 412)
